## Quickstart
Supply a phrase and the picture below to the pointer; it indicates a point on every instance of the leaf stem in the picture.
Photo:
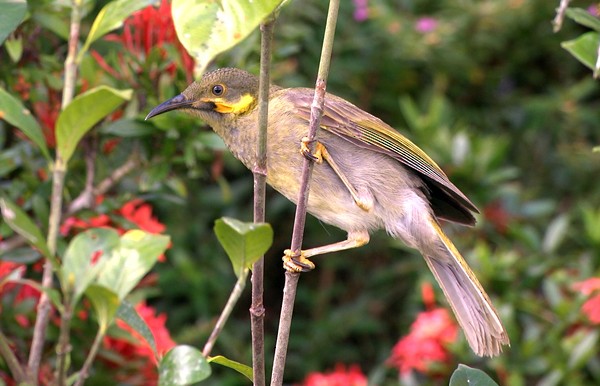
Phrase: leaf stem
(11, 360)
(291, 279)
(257, 309)
(237, 291)
(85, 369)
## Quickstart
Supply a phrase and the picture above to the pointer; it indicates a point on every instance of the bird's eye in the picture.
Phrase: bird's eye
(218, 89)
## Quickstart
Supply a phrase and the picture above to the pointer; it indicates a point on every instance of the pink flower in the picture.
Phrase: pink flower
(338, 377)
(361, 10)
(426, 24)
(594, 10)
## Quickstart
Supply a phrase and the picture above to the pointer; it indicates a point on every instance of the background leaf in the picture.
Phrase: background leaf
(22, 224)
(244, 242)
(465, 375)
(182, 365)
(207, 28)
(78, 270)
(83, 113)
(584, 17)
(13, 13)
(105, 302)
(129, 315)
(584, 48)
(135, 255)
(13, 112)
(237, 366)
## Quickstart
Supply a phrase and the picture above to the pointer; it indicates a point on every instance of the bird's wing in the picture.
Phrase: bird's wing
(367, 131)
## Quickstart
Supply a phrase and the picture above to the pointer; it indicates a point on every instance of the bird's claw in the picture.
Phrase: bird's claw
(305, 151)
(296, 262)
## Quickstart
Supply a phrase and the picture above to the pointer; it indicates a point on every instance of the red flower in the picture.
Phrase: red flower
(70, 223)
(428, 340)
(338, 377)
(148, 28)
(137, 348)
(591, 308)
(140, 214)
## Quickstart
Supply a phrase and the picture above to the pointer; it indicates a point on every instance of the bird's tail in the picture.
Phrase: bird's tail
(471, 305)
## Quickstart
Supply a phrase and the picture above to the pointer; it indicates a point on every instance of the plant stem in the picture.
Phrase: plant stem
(291, 279)
(233, 298)
(11, 360)
(83, 374)
(58, 178)
(257, 309)
(64, 347)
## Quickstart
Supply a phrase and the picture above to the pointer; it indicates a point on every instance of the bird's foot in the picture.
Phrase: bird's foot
(305, 150)
(296, 262)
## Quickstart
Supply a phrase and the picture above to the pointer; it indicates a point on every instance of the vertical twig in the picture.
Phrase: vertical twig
(257, 309)
(58, 178)
(291, 279)
(87, 365)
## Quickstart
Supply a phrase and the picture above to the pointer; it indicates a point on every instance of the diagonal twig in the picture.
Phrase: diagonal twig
(291, 279)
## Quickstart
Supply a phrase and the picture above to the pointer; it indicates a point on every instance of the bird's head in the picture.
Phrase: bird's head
(225, 93)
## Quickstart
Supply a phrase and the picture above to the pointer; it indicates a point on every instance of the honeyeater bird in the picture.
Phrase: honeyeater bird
(367, 177)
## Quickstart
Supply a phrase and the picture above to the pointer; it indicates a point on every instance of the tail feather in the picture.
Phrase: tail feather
(471, 305)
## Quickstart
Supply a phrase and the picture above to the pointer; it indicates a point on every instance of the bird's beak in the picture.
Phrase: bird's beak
(178, 102)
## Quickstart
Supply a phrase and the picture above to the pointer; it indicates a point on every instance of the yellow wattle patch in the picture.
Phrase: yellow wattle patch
(240, 107)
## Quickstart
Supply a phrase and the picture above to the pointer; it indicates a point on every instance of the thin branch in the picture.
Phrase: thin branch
(64, 346)
(86, 197)
(291, 279)
(58, 178)
(237, 291)
(560, 15)
(87, 365)
(11, 360)
(257, 309)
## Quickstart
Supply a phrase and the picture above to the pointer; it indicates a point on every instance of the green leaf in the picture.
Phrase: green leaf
(13, 112)
(585, 348)
(82, 114)
(465, 375)
(105, 303)
(111, 17)
(207, 28)
(135, 255)
(183, 365)
(22, 224)
(584, 48)
(129, 315)
(128, 128)
(244, 242)
(78, 271)
(237, 366)
(14, 47)
(13, 13)
(583, 17)
(52, 293)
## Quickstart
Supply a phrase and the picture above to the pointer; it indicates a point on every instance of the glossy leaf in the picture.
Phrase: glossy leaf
(237, 366)
(13, 112)
(244, 242)
(584, 17)
(22, 224)
(183, 365)
(129, 315)
(135, 255)
(584, 48)
(207, 28)
(111, 17)
(13, 13)
(85, 257)
(105, 303)
(465, 375)
(83, 113)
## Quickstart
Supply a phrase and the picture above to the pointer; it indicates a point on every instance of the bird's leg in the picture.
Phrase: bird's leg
(299, 262)
(320, 154)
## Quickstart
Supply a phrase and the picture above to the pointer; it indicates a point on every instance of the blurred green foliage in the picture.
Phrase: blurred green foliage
(488, 92)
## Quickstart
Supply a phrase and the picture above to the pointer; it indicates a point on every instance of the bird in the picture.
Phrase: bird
(367, 176)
